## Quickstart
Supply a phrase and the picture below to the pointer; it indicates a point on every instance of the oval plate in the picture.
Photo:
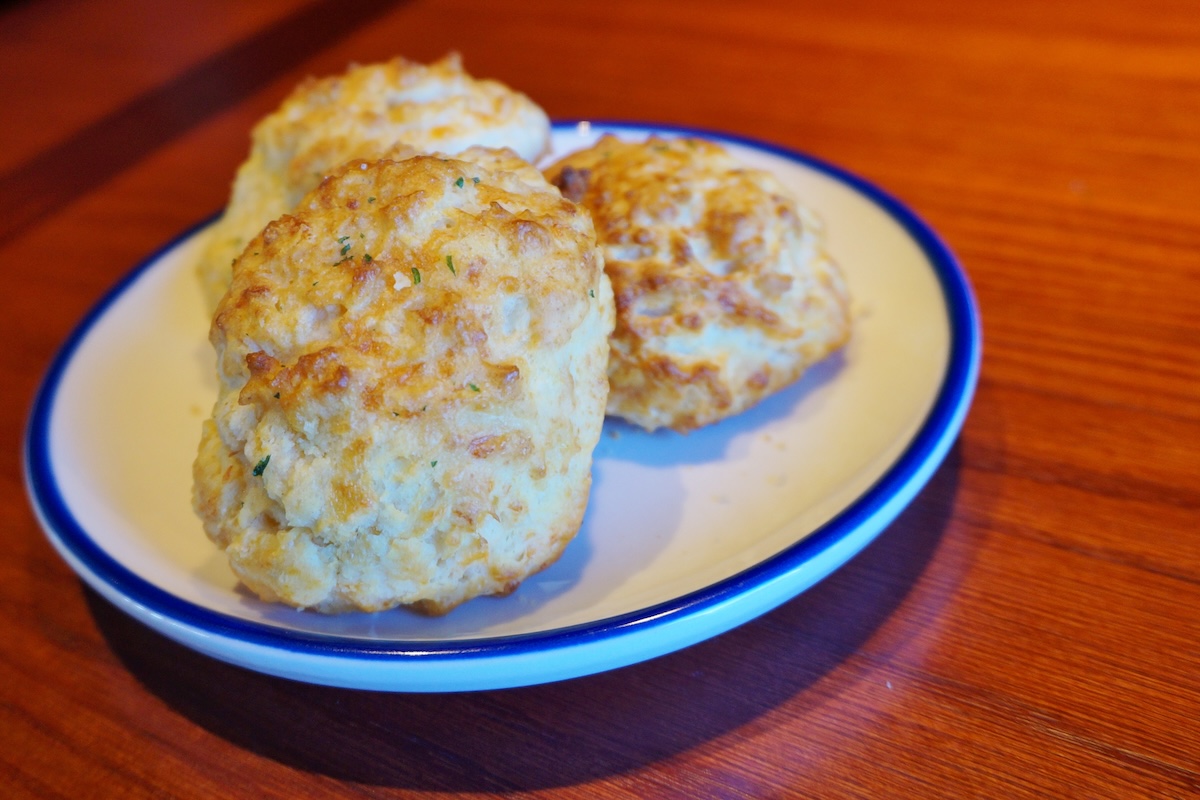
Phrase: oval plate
(685, 536)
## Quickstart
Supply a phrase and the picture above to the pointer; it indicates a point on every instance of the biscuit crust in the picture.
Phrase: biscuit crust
(724, 291)
(412, 381)
(361, 114)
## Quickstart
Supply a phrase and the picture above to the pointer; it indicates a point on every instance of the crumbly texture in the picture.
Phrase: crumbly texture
(360, 114)
(724, 291)
(412, 382)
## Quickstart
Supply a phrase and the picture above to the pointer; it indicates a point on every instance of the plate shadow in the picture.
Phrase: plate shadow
(558, 734)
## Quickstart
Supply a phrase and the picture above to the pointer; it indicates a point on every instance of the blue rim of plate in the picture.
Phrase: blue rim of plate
(915, 464)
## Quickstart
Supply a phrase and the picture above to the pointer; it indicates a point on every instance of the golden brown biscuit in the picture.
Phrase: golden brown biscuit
(360, 114)
(412, 381)
(724, 292)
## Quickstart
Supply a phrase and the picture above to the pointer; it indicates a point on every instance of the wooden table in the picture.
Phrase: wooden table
(1029, 627)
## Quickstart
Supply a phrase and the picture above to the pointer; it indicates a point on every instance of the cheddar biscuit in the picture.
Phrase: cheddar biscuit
(412, 381)
(724, 291)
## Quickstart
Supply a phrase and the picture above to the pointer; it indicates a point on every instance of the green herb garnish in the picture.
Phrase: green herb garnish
(416, 276)
(474, 388)
(459, 182)
(370, 199)
(260, 466)
(475, 179)
(367, 258)
(433, 463)
(450, 264)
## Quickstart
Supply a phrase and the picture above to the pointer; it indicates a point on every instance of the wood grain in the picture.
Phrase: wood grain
(1028, 628)
(125, 135)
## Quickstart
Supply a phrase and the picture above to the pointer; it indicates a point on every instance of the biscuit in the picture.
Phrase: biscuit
(360, 114)
(412, 382)
(724, 291)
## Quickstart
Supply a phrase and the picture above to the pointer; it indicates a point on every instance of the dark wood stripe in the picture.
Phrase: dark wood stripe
(112, 144)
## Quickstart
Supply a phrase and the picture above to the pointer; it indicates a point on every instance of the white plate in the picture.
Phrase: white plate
(685, 537)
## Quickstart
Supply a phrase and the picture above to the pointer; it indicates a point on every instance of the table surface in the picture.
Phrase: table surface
(1028, 627)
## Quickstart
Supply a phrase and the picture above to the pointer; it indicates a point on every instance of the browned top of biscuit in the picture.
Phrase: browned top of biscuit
(724, 292)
